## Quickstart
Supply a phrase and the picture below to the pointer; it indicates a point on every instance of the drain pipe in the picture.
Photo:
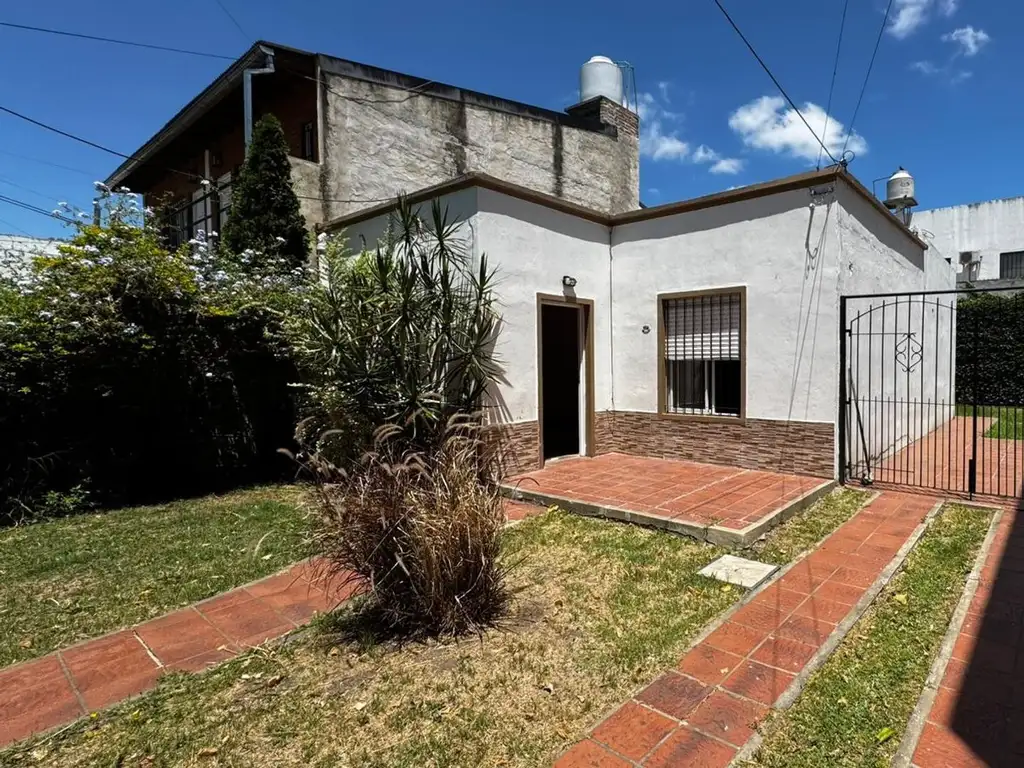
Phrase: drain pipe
(267, 69)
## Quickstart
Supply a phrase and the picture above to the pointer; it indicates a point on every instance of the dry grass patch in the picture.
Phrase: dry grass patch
(598, 610)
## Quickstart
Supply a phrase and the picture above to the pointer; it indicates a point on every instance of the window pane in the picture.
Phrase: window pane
(727, 387)
(1011, 265)
(686, 384)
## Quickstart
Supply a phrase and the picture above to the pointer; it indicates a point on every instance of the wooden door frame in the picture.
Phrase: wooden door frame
(586, 306)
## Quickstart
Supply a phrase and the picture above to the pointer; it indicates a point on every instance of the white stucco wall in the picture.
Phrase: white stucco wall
(791, 299)
(532, 247)
(795, 260)
(988, 229)
(16, 250)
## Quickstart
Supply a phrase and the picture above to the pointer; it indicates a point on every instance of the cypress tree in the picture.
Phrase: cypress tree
(263, 204)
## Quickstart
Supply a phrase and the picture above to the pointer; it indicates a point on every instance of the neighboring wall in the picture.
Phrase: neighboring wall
(988, 229)
(381, 139)
(16, 250)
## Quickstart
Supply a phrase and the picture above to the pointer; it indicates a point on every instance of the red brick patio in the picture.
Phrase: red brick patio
(704, 710)
(722, 504)
(939, 461)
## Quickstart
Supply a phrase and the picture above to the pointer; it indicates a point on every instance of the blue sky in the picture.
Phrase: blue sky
(945, 98)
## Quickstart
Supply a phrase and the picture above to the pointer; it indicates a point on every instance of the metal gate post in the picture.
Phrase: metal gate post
(972, 471)
(842, 389)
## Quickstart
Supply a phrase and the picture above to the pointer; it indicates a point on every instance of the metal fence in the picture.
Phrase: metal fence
(932, 390)
(206, 212)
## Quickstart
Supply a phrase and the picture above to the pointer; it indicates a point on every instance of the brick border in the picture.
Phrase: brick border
(705, 710)
(714, 534)
(919, 717)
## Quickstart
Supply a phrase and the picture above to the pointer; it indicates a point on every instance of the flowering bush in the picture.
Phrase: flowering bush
(134, 372)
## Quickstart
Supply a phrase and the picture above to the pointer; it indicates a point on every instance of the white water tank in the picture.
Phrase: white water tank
(899, 190)
(601, 77)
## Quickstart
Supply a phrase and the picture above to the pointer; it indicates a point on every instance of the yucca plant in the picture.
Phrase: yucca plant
(418, 530)
(402, 334)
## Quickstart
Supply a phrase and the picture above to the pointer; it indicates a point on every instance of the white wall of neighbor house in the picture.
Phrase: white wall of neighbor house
(987, 229)
(532, 247)
(761, 244)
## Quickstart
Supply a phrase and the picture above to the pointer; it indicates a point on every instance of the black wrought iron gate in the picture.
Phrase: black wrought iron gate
(931, 390)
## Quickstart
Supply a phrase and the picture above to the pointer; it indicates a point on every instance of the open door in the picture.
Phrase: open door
(565, 373)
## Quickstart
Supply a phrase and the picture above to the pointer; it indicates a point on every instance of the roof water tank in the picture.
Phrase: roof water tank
(899, 190)
(601, 77)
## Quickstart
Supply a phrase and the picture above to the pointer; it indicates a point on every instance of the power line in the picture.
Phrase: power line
(36, 192)
(835, 68)
(35, 209)
(98, 39)
(6, 223)
(878, 41)
(774, 79)
(234, 21)
(47, 162)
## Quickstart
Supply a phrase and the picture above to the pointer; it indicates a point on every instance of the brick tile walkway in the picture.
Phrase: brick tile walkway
(56, 689)
(703, 495)
(977, 717)
(704, 710)
(38, 695)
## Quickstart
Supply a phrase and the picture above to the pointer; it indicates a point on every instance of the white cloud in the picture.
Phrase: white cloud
(948, 7)
(908, 16)
(960, 76)
(719, 164)
(657, 142)
(728, 165)
(767, 123)
(969, 39)
(663, 87)
(925, 67)
(704, 154)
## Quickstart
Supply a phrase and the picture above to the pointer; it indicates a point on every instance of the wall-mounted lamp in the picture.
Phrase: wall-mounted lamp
(568, 281)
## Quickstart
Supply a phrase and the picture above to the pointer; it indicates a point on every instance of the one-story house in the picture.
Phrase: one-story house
(705, 330)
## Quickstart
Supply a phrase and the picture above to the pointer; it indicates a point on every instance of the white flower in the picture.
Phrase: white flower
(100, 186)
(75, 324)
(205, 182)
(45, 315)
(105, 261)
(124, 190)
(90, 248)
(148, 211)
(209, 375)
(62, 204)
(83, 214)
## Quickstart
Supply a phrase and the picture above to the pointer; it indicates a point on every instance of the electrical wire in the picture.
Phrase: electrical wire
(99, 39)
(35, 209)
(878, 41)
(6, 223)
(47, 162)
(773, 78)
(835, 68)
(234, 21)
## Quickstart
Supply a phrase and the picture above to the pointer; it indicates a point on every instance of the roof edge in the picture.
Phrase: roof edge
(750, 192)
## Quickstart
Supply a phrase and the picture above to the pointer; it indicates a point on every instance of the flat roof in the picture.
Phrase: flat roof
(752, 191)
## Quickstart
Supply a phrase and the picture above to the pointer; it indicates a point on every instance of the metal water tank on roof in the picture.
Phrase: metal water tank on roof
(899, 190)
(601, 77)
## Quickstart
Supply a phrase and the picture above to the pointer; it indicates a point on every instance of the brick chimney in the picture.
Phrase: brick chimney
(625, 181)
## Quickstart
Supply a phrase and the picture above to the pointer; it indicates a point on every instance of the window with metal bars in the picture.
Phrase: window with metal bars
(1011, 265)
(702, 353)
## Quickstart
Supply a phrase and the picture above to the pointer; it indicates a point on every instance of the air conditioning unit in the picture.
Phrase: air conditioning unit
(970, 266)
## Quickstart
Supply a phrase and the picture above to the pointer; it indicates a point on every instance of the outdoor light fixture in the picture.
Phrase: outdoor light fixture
(568, 281)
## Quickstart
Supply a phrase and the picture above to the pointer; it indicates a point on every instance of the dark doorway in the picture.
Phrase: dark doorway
(561, 365)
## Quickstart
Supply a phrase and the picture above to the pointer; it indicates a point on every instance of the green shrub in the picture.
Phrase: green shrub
(138, 372)
(989, 349)
(265, 217)
(401, 335)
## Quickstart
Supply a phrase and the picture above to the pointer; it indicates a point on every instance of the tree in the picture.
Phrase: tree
(265, 214)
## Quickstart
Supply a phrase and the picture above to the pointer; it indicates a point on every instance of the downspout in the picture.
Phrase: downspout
(611, 319)
(247, 90)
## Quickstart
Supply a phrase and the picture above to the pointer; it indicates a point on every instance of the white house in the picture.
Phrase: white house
(985, 240)
(705, 330)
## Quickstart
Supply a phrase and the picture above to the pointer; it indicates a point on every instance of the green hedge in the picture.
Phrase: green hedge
(990, 349)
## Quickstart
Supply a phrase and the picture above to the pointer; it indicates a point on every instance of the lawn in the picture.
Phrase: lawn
(855, 709)
(1009, 422)
(68, 579)
(600, 609)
